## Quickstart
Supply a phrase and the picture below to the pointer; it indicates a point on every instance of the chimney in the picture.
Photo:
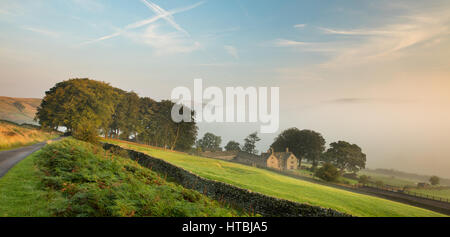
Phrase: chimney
(272, 150)
(287, 149)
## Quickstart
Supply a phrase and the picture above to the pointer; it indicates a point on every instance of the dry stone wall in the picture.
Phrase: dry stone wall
(236, 197)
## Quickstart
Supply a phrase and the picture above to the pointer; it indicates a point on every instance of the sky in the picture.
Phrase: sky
(374, 73)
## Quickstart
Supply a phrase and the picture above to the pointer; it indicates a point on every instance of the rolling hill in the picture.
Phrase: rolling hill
(18, 110)
(280, 186)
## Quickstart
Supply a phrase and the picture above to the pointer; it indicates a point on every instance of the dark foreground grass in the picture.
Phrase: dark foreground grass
(72, 178)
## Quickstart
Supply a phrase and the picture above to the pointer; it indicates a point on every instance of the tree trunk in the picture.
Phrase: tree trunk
(176, 138)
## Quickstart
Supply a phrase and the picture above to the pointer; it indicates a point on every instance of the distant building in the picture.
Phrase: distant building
(422, 185)
(274, 160)
(281, 160)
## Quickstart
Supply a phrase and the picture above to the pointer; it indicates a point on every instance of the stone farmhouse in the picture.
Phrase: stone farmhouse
(275, 160)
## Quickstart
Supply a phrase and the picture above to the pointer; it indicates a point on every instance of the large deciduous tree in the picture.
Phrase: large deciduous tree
(306, 144)
(80, 105)
(346, 156)
(88, 107)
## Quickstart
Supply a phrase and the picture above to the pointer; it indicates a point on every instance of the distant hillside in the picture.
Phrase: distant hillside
(18, 110)
(406, 175)
(13, 135)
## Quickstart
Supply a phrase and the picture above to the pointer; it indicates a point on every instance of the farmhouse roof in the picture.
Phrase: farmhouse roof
(280, 155)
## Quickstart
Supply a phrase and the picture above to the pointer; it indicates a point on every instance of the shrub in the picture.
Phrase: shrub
(363, 179)
(327, 172)
(86, 132)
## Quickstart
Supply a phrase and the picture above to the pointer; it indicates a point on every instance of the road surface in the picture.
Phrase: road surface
(11, 157)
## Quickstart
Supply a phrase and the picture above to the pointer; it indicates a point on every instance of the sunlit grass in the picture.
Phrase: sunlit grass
(13, 136)
(273, 184)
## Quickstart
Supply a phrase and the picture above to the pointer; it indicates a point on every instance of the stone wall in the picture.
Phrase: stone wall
(234, 196)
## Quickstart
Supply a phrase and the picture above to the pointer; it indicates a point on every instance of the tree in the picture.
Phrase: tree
(363, 179)
(434, 180)
(80, 105)
(88, 108)
(126, 116)
(233, 146)
(250, 143)
(346, 156)
(327, 172)
(306, 144)
(210, 142)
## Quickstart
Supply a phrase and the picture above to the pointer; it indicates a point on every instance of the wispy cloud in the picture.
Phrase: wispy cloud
(5, 12)
(355, 32)
(165, 15)
(300, 26)
(378, 43)
(369, 52)
(356, 100)
(216, 64)
(231, 50)
(160, 14)
(163, 43)
(289, 43)
(42, 31)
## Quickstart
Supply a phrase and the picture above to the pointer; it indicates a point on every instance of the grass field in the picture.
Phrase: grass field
(71, 178)
(443, 193)
(13, 136)
(273, 184)
(388, 180)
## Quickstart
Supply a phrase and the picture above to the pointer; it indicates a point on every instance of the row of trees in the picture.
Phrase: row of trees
(305, 144)
(211, 142)
(87, 108)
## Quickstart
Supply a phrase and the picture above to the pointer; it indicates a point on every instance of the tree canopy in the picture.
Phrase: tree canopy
(306, 144)
(346, 156)
(233, 146)
(210, 142)
(250, 143)
(88, 108)
(434, 180)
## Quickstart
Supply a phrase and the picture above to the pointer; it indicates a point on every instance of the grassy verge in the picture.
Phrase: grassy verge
(71, 178)
(20, 193)
(273, 184)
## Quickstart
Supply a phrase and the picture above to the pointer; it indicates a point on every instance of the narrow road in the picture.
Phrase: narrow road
(11, 157)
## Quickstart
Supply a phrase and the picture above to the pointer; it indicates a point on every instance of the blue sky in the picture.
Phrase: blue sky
(375, 73)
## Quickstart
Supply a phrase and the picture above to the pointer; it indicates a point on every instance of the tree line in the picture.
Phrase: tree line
(88, 108)
(341, 156)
